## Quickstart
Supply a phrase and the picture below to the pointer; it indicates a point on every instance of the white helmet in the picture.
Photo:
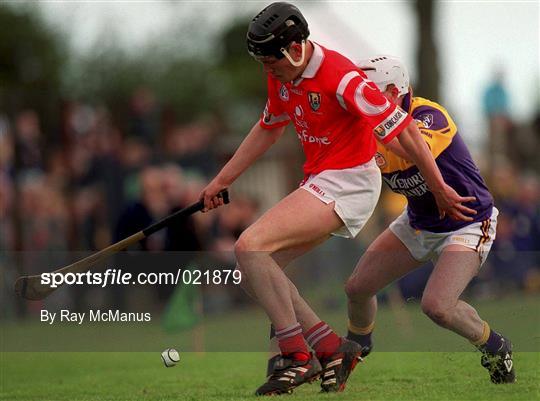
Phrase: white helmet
(386, 70)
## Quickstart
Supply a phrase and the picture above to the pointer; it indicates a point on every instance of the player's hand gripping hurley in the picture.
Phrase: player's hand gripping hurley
(31, 288)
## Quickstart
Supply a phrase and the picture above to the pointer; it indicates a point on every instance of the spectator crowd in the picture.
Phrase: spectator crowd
(101, 181)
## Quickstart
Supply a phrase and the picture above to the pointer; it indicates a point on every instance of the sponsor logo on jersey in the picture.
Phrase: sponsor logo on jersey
(380, 160)
(389, 124)
(297, 91)
(299, 112)
(284, 93)
(299, 117)
(314, 100)
(413, 186)
(396, 118)
(306, 138)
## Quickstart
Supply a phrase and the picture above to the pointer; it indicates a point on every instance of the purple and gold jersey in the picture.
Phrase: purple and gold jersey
(454, 160)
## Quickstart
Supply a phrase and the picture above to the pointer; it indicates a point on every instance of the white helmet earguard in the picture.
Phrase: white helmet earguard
(386, 70)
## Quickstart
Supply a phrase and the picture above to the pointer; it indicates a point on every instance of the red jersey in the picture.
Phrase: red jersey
(336, 110)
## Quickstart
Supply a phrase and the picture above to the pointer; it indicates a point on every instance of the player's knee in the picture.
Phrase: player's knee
(437, 311)
(247, 249)
(245, 244)
(254, 241)
(356, 289)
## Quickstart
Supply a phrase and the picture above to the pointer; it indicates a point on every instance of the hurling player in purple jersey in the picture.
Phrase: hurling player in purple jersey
(420, 234)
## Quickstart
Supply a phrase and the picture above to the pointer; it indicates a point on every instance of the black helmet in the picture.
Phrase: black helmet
(274, 28)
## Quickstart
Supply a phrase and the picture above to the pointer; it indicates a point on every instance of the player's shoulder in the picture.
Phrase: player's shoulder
(336, 66)
(337, 59)
(422, 105)
(430, 114)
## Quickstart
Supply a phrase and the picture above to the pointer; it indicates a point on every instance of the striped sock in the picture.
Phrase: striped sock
(490, 341)
(291, 342)
(323, 340)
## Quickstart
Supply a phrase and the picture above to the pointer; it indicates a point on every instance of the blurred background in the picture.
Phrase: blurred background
(113, 115)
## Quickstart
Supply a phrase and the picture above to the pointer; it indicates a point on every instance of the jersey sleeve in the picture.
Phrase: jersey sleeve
(436, 127)
(273, 115)
(361, 97)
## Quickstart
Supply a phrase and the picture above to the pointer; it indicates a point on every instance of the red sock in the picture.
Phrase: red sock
(323, 340)
(291, 342)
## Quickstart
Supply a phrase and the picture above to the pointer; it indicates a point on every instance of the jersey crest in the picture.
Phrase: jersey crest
(427, 120)
(314, 100)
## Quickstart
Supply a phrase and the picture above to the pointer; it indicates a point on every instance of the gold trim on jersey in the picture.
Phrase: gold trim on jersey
(437, 139)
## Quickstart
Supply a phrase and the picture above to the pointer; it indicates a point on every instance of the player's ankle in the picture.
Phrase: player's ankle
(323, 340)
(490, 341)
(291, 342)
(301, 356)
(493, 344)
(362, 339)
(360, 335)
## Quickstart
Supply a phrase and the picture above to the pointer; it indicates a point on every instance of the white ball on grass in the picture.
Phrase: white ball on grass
(170, 357)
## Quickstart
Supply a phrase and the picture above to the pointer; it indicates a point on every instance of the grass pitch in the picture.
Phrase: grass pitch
(389, 373)
(94, 376)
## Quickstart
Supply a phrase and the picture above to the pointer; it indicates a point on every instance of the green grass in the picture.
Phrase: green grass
(390, 373)
(401, 329)
(234, 376)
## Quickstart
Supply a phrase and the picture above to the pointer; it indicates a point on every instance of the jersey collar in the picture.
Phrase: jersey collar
(313, 65)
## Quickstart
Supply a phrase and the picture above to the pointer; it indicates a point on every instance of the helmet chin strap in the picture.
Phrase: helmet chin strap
(291, 60)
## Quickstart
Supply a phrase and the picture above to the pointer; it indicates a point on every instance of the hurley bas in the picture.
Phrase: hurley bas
(64, 315)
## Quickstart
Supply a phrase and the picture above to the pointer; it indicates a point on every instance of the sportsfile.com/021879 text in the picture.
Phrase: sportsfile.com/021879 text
(118, 277)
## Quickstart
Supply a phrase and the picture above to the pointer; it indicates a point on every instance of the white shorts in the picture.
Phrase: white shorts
(425, 245)
(355, 192)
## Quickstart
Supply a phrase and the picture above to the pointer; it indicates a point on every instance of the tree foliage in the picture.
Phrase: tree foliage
(32, 61)
(217, 78)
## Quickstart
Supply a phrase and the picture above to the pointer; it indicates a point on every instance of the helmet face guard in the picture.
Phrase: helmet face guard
(271, 32)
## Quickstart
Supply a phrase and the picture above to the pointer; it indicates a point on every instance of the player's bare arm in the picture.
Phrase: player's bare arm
(448, 200)
(395, 147)
(256, 143)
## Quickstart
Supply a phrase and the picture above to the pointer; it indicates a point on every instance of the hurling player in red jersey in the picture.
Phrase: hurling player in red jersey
(457, 248)
(338, 116)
